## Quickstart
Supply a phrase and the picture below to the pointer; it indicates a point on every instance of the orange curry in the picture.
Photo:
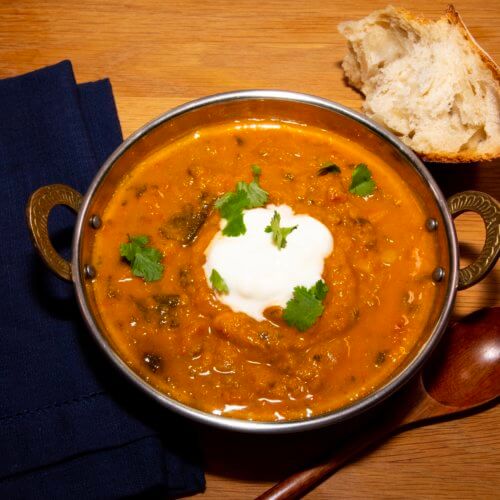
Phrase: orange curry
(177, 335)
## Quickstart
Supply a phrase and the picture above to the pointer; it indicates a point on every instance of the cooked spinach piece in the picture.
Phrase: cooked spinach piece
(170, 299)
(364, 231)
(328, 168)
(143, 309)
(153, 361)
(140, 190)
(167, 309)
(164, 311)
(380, 358)
(185, 277)
(185, 225)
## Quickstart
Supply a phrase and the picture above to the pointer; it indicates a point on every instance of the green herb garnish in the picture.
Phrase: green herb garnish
(306, 306)
(256, 171)
(362, 183)
(218, 282)
(328, 168)
(231, 205)
(320, 289)
(279, 233)
(235, 226)
(257, 197)
(145, 261)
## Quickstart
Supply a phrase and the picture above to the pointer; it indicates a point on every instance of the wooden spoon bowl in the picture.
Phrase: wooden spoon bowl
(465, 369)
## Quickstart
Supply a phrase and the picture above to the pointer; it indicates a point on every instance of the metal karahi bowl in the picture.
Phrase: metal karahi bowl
(287, 106)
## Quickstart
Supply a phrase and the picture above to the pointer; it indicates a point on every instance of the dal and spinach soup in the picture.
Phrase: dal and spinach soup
(264, 270)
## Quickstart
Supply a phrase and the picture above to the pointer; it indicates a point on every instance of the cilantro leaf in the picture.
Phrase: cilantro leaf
(129, 250)
(146, 265)
(218, 282)
(141, 239)
(221, 201)
(256, 195)
(328, 168)
(320, 289)
(279, 233)
(145, 261)
(306, 306)
(362, 183)
(256, 171)
(231, 205)
(235, 226)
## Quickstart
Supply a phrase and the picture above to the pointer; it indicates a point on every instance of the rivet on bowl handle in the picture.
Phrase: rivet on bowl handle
(39, 206)
(489, 210)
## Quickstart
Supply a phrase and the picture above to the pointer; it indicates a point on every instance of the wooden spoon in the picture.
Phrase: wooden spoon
(463, 374)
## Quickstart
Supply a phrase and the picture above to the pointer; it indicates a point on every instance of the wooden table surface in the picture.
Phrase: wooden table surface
(159, 54)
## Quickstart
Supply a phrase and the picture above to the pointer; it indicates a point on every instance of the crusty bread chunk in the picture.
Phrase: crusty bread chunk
(428, 82)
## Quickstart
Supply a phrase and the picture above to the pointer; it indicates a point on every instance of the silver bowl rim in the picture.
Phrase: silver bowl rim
(287, 426)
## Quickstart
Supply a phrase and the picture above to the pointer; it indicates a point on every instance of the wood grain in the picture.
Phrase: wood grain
(159, 54)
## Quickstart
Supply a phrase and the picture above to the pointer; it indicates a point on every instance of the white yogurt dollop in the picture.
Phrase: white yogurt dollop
(257, 273)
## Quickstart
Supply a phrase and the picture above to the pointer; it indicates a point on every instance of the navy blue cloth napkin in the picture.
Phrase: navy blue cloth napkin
(70, 427)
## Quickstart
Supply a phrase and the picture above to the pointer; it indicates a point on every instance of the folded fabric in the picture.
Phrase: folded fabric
(70, 427)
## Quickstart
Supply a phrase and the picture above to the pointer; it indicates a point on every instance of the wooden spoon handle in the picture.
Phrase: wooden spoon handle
(302, 482)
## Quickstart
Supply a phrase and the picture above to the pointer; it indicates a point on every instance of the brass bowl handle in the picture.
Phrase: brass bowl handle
(489, 210)
(39, 206)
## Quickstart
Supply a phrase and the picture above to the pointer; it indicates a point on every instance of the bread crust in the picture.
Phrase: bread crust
(443, 157)
(454, 17)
